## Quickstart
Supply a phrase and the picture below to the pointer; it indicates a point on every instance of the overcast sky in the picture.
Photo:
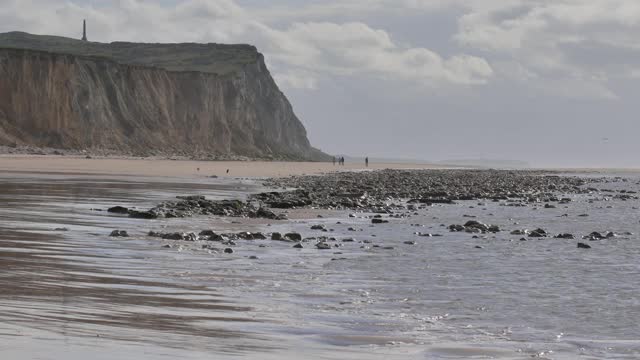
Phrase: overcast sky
(551, 82)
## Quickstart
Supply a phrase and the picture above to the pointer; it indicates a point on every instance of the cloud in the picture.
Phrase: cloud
(303, 52)
(355, 48)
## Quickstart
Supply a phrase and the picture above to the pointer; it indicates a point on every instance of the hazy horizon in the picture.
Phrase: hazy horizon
(545, 82)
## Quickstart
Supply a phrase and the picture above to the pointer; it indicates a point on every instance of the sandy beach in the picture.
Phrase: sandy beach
(180, 168)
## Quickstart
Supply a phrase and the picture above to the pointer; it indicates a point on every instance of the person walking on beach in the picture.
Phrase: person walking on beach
(366, 161)
(334, 161)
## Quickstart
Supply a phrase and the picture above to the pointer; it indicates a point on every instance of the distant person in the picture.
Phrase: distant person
(366, 161)
(334, 161)
(227, 171)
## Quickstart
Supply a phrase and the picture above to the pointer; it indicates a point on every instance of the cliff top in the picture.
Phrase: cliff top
(209, 58)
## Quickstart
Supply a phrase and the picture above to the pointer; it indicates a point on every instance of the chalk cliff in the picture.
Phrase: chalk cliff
(197, 100)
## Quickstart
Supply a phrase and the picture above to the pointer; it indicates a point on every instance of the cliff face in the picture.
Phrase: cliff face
(75, 101)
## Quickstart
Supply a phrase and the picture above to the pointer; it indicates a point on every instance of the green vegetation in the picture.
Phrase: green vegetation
(209, 58)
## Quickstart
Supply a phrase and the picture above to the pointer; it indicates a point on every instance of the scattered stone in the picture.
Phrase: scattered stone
(583, 246)
(298, 246)
(228, 251)
(318, 227)
(323, 246)
(61, 229)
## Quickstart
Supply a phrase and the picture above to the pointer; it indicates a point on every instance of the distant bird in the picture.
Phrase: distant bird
(227, 171)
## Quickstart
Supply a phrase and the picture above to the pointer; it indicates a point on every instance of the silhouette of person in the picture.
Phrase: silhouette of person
(334, 161)
(366, 161)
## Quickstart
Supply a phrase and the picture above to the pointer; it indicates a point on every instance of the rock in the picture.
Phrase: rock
(118, 210)
(293, 237)
(520, 232)
(410, 242)
(191, 197)
(276, 236)
(298, 246)
(549, 206)
(349, 240)
(119, 233)
(594, 236)
(228, 251)
(253, 257)
(379, 221)
(479, 247)
(180, 236)
(564, 236)
(143, 214)
(167, 246)
(318, 227)
(61, 229)
(323, 246)
(583, 246)
(540, 233)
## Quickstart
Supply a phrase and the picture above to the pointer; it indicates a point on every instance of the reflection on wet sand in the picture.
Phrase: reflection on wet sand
(82, 285)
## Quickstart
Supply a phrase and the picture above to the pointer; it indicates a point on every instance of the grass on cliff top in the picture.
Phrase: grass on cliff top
(209, 58)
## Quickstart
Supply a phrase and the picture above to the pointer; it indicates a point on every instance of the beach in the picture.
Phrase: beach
(181, 168)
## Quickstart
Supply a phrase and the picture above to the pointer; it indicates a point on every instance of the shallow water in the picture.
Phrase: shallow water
(80, 293)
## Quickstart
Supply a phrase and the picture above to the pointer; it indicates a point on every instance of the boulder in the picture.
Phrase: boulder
(119, 233)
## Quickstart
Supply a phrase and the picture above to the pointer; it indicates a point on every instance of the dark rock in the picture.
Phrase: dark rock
(583, 246)
(323, 246)
(594, 236)
(379, 221)
(539, 233)
(410, 242)
(191, 197)
(276, 236)
(118, 210)
(143, 214)
(318, 227)
(119, 233)
(293, 237)
(61, 229)
(564, 236)
(228, 251)
(298, 246)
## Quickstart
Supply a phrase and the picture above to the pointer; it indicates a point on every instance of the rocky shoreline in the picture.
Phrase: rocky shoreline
(389, 195)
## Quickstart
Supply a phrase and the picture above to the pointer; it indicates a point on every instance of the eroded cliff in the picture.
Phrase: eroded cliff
(121, 106)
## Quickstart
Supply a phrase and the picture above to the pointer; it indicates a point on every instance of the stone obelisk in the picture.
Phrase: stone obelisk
(84, 30)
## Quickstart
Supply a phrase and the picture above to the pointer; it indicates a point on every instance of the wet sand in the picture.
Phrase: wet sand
(390, 293)
(180, 168)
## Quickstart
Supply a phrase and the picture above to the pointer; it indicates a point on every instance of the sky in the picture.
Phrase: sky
(550, 82)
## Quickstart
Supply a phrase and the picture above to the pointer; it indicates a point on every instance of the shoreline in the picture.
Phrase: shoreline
(77, 165)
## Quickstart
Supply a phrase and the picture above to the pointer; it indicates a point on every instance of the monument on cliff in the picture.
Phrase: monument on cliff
(84, 30)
